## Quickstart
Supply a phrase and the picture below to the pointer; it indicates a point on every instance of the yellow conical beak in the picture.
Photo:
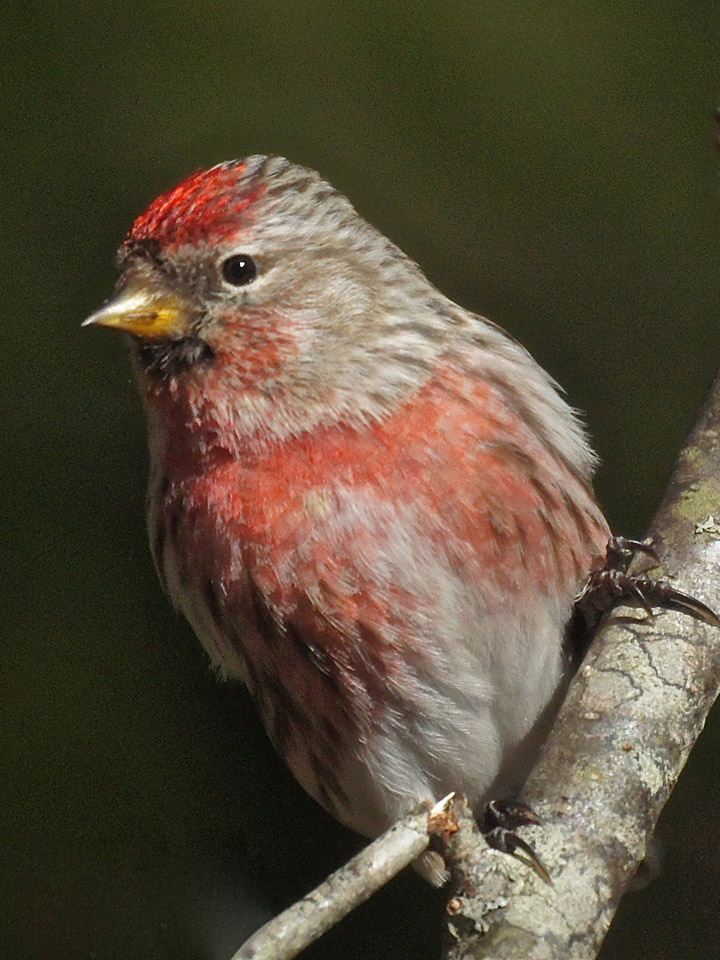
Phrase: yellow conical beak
(144, 310)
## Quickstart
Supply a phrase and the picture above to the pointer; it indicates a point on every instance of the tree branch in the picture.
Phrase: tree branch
(623, 735)
(285, 936)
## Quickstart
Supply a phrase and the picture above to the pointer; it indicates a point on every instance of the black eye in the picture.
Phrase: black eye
(239, 270)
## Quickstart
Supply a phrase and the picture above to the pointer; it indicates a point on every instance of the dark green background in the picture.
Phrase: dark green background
(554, 169)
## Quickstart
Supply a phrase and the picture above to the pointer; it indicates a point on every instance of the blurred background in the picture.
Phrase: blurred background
(550, 165)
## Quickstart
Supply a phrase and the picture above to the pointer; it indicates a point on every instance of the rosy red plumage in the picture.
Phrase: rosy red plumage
(372, 505)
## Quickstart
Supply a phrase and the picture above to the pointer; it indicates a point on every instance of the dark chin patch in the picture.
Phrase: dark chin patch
(167, 358)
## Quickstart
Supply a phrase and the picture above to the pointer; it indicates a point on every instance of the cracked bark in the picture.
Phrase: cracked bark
(623, 735)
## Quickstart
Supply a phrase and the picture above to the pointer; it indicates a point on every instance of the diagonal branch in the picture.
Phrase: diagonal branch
(285, 936)
(621, 739)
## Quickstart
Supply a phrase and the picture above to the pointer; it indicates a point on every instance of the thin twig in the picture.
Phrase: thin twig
(297, 927)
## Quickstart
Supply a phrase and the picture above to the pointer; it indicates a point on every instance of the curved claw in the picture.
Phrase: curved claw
(633, 588)
(620, 551)
(662, 594)
(508, 842)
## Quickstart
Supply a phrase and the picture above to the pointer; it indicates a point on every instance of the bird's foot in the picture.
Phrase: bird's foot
(613, 585)
(498, 825)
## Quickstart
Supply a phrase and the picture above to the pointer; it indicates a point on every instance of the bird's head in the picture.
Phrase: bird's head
(254, 287)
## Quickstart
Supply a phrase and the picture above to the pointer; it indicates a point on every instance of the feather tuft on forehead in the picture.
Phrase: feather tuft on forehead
(210, 203)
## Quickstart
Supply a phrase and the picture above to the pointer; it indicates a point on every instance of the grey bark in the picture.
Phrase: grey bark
(623, 735)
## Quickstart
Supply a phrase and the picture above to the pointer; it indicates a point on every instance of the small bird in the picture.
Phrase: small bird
(373, 506)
